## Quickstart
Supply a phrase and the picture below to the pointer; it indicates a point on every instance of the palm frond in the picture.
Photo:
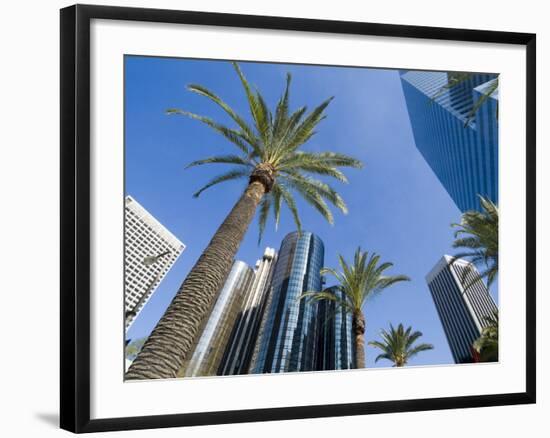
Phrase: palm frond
(334, 273)
(382, 356)
(277, 197)
(281, 112)
(265, 206)
(228, 176)
(477, 233)
(455, 79)
(257, 110)
(419, 348)
(313, 198)
(234, 136)
(324, 190)
(203, 91)
(221, 159)
(305, 130)
(328, 294)
(291, 204)
(386, 282)
(481, 100)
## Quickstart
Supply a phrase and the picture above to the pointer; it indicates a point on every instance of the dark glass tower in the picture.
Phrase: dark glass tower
(288, 337)
(464, 158)
(336, 347)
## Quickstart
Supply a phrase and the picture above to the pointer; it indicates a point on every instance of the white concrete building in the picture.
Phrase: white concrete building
(463, 303)
(150, 250)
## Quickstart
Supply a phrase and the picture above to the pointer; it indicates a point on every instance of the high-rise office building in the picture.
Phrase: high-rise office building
(289, 331)
(150, 250)
(207, 353)
(463, 303)
(336, 349)
(240, 347)
(464, 158)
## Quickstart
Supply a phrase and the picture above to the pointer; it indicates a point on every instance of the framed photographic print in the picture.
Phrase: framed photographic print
(271, 218)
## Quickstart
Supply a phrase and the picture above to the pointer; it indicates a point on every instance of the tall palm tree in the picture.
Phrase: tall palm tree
(398, 345)
(268, 156)
(357, 282)
(486, 346)
(478, 234)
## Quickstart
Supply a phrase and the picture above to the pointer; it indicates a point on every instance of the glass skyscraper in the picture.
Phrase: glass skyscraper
(240, 347)
(462, 311)
(336, 349)
(288, 337)
(464, 158)
(207, 354)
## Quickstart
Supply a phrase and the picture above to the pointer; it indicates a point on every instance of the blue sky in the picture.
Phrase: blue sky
(397, 207)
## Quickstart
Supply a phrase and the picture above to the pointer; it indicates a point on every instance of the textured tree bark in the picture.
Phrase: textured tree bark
(166, 348)
(358, 326)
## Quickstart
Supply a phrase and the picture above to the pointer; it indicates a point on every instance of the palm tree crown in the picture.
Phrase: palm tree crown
(397, 345)
(268, 151)
(357, 282)
(478, 234)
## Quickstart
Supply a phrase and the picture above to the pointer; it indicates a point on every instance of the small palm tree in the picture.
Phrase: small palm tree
(357, 282)
(486, 345)
(478, 234)
(269, 157)
(398, 345)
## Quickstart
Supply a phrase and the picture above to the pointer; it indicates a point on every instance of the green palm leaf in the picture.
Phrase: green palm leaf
(477, 234)
(397, 345)
(221, 159)
(234, 136)
(228, 176)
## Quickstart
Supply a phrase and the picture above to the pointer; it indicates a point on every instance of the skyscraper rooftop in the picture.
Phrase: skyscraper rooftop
(461, 150)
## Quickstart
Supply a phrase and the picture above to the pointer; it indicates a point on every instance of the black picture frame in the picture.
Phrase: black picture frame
(75, 217)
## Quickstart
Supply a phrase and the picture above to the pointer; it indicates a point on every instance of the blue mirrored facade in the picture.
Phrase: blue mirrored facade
(288, 338)
(464, 158)
(336, 347)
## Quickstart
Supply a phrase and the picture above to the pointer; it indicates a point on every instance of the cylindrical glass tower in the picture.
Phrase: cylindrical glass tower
(289, 332)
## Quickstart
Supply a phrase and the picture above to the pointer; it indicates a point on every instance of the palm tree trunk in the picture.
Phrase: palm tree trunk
(358, 326)
(166, 348)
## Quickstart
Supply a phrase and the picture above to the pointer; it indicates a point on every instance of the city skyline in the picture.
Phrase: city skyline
(258, 323)
(389, 235)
